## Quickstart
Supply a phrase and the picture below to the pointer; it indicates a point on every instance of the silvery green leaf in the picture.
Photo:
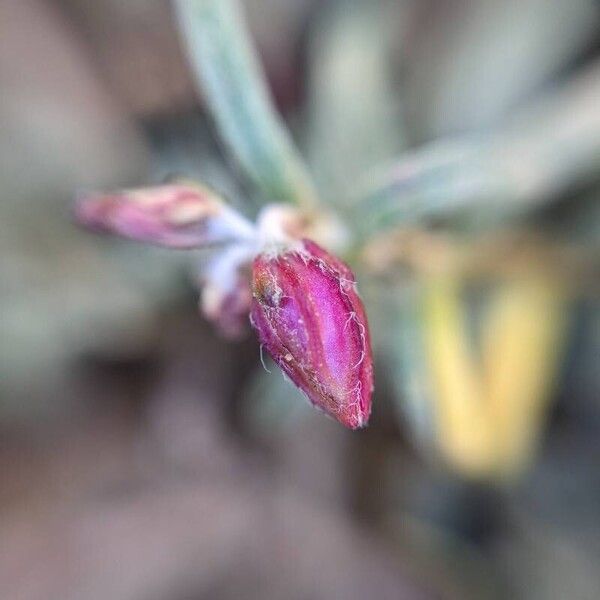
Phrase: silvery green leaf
(354, 108)
(541, 153)
(225, 64)
(405, 353)
(479, 60)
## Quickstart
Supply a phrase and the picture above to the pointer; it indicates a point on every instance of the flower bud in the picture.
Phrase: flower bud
(175, 216)
(312, 322)
(226, 297)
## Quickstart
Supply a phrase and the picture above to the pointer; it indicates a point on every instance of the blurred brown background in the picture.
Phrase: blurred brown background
(137, 457)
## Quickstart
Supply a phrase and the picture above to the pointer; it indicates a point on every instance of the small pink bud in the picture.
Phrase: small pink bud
(225, 294)
(176, 216)
(228, 309)
(312, 322)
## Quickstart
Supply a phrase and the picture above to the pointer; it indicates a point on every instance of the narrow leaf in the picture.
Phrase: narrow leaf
(228, 72)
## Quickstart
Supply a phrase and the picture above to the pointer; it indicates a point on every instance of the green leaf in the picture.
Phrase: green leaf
(531, 160)
(231, 79)
(354, 109)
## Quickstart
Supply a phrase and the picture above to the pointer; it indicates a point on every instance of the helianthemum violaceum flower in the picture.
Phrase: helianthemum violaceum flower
(302, 300)
(312, 322)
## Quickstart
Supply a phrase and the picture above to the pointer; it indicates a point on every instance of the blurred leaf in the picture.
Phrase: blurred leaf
(477, 61)
(537, 156)
(522, 343)
(407, 363)
(227, 68)
(355, 121)
(464, 434)
(484, 392)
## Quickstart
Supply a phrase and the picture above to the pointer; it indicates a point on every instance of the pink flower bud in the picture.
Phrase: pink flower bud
(312, 322)
(176, 216)
(226, 296)
(228, 309)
